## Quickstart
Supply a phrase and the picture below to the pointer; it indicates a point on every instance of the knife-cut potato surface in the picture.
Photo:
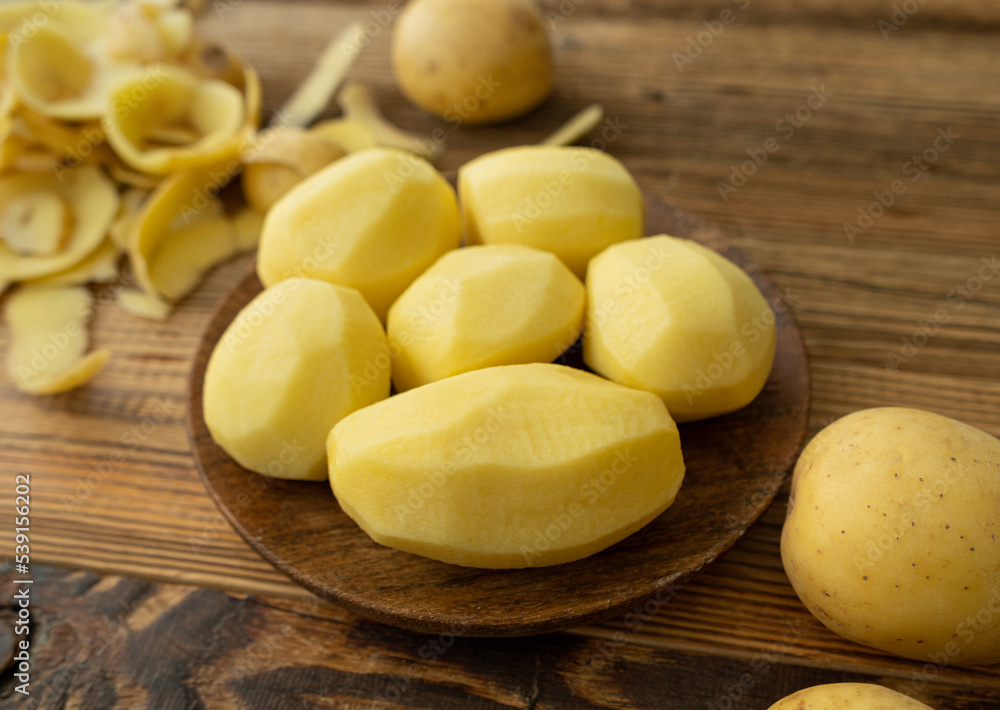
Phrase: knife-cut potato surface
(893, 534)
(373, 220)
(571, 201)
(481, 306)
(675, 318)
(507, 467)
(292, 363)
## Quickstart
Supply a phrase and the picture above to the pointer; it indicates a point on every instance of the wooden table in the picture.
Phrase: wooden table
(144, 597)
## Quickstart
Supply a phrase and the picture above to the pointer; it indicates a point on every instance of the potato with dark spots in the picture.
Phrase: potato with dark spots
(848, 696)
(893, 534)
(473, 61)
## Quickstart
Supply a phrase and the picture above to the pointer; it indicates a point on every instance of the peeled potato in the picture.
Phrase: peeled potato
(893, 534)
(48, 327)
(292, 363)
(848, 696)
(374, 221)
(473, 61)
(507, 467)
(481, 306)
(573, 202)
(675, 318)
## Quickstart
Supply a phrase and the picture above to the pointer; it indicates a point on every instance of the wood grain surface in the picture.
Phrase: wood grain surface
(906, 314)
(105, 642)
(734, 467)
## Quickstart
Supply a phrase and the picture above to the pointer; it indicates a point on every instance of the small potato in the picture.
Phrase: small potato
(570, 201)
(481, 306)
(295, 361)
(893, 534)
(374, 221)
(848, 696)
(473, 61)
(672, 317)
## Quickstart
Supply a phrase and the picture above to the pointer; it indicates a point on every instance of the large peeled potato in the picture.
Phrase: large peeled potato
(893, 534)
(848, 696)
(675, 318)
(573, 202)
(374, 221)
(473, 61)
(514, 466)
(296, 360)
(481, 306)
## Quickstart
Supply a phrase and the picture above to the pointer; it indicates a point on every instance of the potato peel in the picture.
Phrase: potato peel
(178, 102)
(181, 200)
(48, 327)
(93, 202)
(357, 102)
(577, 127)
(314, 94)
(350, 134)
(101, 266)
(144, 305)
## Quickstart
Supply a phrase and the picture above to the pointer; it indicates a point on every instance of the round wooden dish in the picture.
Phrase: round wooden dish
(735, 465)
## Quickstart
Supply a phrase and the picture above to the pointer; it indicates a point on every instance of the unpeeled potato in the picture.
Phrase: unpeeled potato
(848, 696)
(473, 61)
(893, 534)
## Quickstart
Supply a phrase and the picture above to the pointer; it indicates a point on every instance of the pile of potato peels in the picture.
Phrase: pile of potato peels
(119, 128)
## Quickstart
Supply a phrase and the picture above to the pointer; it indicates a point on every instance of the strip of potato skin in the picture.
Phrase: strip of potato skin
(48, 327)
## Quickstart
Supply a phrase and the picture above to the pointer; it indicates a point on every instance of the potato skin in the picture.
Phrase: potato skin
(893, 534)
(473, 61)
(848, 696)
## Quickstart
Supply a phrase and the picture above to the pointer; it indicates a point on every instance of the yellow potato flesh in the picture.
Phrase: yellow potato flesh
(181, 232)
(58, 77)
(373, 220)
(507, 467)
(180, 262)
(48, 328)
(473, 61)
(142, 304)
(672, 317)
(36, 223)
(100, 266)
(482, 306)
(571, 201)
(293, 363)
(170, 101)
(893, 534)
(92, 201)
(282, 158)
(358, 105)
(848, 696)
(350, 134)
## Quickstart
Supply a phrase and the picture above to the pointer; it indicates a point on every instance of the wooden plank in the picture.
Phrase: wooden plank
(100, 642)
(113, 484)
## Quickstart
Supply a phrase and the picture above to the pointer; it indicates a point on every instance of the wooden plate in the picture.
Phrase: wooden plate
(735, 465)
